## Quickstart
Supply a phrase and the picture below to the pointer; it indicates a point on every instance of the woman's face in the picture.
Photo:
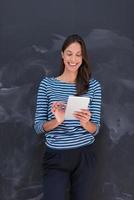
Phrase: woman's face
(72, 57)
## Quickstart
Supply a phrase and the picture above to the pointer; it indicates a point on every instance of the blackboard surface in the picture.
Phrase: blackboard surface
(31, 35)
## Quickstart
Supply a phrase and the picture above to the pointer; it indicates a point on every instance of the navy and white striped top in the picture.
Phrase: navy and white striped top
(69, 134)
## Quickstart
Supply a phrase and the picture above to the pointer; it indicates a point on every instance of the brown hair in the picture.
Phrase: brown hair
(84, 71)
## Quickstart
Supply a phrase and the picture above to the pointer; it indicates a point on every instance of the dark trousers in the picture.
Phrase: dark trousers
(69, 172)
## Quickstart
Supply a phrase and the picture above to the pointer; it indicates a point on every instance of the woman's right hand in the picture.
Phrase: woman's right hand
(58, 110)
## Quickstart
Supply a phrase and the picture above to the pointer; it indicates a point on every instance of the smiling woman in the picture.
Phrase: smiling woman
(69, 158)
(72, 58)
(74, 52)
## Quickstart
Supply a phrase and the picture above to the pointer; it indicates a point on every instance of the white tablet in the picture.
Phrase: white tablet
(75, 103)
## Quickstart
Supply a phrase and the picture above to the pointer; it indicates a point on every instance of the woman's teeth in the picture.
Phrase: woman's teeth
(72, 64)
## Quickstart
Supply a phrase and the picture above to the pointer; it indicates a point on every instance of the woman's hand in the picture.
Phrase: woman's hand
(58, 110)
(84, 116)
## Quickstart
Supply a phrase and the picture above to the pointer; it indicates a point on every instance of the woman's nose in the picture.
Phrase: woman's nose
(73, 59)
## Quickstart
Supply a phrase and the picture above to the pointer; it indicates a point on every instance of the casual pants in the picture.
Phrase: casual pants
(68, 172)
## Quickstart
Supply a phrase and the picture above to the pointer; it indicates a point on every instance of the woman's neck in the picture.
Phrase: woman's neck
(67, 77)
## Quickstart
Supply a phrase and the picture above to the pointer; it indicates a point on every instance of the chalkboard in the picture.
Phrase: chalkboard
(31, 37)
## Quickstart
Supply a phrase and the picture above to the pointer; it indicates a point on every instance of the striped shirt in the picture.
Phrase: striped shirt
(69, 134)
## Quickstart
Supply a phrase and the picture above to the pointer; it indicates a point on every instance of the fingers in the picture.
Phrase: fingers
(60, 106)
(84, 114)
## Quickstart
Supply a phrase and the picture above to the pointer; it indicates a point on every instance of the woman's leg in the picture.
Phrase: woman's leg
(82, 176)
(56, 185)
(56, 179)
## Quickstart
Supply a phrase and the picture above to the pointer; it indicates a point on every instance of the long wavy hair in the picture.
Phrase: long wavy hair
(84, 71)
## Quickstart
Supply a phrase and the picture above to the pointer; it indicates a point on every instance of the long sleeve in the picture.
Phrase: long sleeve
(41, 113)
(95, 106)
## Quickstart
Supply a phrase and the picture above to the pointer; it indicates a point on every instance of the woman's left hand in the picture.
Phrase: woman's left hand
(84, 116)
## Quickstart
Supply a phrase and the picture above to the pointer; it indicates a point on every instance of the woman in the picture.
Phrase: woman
(69, 158)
